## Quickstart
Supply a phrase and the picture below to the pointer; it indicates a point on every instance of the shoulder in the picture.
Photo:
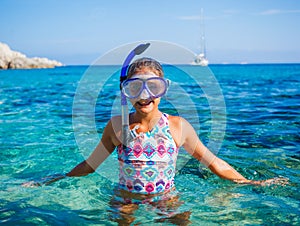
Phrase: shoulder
(174, 120)
(176, 124)
(113, 129)
(177, 121)
(114, 123)
(181, 130)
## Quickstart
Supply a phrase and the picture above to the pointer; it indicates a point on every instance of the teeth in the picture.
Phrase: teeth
(146, 103)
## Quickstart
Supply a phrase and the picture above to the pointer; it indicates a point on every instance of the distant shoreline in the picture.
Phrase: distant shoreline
(213, 64)
(10, 59)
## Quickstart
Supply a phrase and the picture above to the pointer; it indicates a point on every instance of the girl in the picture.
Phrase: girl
(147, 163)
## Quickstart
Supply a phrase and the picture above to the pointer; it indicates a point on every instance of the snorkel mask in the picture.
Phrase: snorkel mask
(125, 116)
(144, 87)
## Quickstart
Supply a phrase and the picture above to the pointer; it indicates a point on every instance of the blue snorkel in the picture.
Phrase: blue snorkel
(125, 116)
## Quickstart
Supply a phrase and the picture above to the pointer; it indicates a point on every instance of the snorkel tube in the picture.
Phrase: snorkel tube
(125, 116)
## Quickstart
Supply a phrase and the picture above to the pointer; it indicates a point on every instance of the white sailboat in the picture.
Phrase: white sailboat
(200, 59)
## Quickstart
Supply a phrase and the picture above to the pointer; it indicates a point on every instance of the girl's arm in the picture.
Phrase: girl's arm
(224, 170)
(186, 136)
(100, 153)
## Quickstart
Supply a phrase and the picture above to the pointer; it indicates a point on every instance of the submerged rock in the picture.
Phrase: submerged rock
(10, 59)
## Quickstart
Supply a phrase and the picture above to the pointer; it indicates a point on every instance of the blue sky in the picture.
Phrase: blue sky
(78, 32)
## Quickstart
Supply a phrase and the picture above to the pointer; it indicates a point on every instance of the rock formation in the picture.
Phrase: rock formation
(10, 59)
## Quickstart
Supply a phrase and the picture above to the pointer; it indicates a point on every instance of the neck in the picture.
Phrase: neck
(145, 121)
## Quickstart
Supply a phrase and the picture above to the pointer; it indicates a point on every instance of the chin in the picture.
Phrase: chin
(145, 110)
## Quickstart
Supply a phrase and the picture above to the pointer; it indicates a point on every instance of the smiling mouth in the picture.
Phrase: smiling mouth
(145, 103)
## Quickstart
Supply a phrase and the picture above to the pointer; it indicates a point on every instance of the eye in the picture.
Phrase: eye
(135, 86)
(153, 85)
(156, 86)
(132, 88)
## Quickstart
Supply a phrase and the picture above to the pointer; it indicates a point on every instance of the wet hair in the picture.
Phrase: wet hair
(145, 62)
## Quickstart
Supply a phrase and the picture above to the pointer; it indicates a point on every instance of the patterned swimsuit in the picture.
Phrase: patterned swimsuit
(147, 164)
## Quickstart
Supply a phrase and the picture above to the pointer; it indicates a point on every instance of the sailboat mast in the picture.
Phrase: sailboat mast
(202, 33)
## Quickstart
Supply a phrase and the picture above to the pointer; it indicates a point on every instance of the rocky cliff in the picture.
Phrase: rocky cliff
(10, 59)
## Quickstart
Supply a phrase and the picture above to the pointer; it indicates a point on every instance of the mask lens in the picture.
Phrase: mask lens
(132, 87)
(156, 86)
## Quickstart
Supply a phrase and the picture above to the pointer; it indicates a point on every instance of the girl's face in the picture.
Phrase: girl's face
(144, 103)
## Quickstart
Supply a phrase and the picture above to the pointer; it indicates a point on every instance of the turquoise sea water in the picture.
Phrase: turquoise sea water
(39, 138)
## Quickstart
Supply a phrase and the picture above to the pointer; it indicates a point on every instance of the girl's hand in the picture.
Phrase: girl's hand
(274, 181)
(31, 184)
(277, 180)
(44, 181)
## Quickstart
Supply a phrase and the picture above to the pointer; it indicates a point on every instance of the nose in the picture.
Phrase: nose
(145, 94)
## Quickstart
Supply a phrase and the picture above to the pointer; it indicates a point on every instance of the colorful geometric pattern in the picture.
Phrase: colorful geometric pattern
(147, 164)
